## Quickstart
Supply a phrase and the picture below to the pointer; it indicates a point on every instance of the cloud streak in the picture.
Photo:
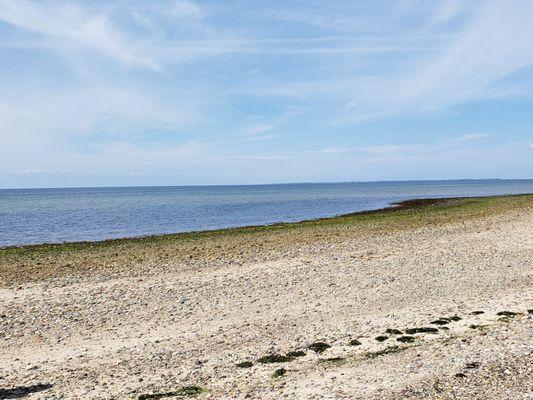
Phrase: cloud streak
(70, 24)
(95, 84)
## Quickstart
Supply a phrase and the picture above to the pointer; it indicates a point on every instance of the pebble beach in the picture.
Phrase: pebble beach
(429, 300)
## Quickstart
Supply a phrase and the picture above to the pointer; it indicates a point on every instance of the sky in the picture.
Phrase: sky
(194, 92)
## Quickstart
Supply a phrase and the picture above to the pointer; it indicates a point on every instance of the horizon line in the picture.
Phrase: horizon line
(270, 184)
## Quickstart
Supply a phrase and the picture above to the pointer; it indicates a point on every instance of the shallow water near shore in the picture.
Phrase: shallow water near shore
(29, 216)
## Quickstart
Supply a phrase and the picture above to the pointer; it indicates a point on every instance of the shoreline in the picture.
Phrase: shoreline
(409, 204)
(432, 301)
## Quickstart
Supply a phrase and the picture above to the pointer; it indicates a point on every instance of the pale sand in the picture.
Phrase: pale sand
(155, 328)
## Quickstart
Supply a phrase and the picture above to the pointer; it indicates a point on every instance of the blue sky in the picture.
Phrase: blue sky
(177, 92)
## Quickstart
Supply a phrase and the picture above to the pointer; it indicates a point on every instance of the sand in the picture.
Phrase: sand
(136, 320)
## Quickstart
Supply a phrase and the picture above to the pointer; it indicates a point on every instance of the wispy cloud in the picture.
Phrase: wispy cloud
(332, 150)
(95, 84)
(471, 136)
(261, 138)
(405, 149)
(68, 23)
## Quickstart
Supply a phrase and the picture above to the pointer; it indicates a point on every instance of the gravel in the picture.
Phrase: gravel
(185, 317)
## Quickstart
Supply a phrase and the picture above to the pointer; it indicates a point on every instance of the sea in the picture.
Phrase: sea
(32, 216)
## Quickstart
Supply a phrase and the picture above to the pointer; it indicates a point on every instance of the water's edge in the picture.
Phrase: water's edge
(408, 204)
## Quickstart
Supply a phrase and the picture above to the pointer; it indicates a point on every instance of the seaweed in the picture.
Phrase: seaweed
(392, 331)
(423, 329)
(296, 353)
(279, 373)
(274, 358)
(186, 391)
(319, 347)
(508, 314)
(333, 360)
(406, 339)
(479, 327)
(388, 350)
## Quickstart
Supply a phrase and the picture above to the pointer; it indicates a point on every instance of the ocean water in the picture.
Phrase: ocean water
(30, 216)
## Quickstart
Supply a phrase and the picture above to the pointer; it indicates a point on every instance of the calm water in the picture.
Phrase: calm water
(57, 215)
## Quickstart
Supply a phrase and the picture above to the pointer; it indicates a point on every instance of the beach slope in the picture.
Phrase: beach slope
(433, 299)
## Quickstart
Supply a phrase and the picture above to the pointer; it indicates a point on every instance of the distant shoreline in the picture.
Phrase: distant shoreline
(222, 185)
(409, 204)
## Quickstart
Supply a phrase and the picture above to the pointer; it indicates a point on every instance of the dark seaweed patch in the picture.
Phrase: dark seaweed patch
(319, 347)
(477, 312)
(296, 353)
(381, 338)
(279, 372)
(391, 331)
(424, 329)
(406, 339)
(333, 360)
(455, 318)
(388, 350)
(245, 364)
(478, 327)
(508, 314)
(355, 342)
(274, 358)
(23, 391)
(440, 322)
(186, 391)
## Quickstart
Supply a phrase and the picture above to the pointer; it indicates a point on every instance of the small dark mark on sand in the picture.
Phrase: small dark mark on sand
(279, 372)
(406, 339)
(479, 327)
(23, 391)
(274, 358)
(333, 360)
(440, 322)
(296, 353)
(388, 350)
(319, 347)
(245, 364)
(460, 375)
(424, 329)
(393, 331)
(508, 314)
(186, 391)
(472, 365)
(355, 342)
(477, 312)
(381, 338)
